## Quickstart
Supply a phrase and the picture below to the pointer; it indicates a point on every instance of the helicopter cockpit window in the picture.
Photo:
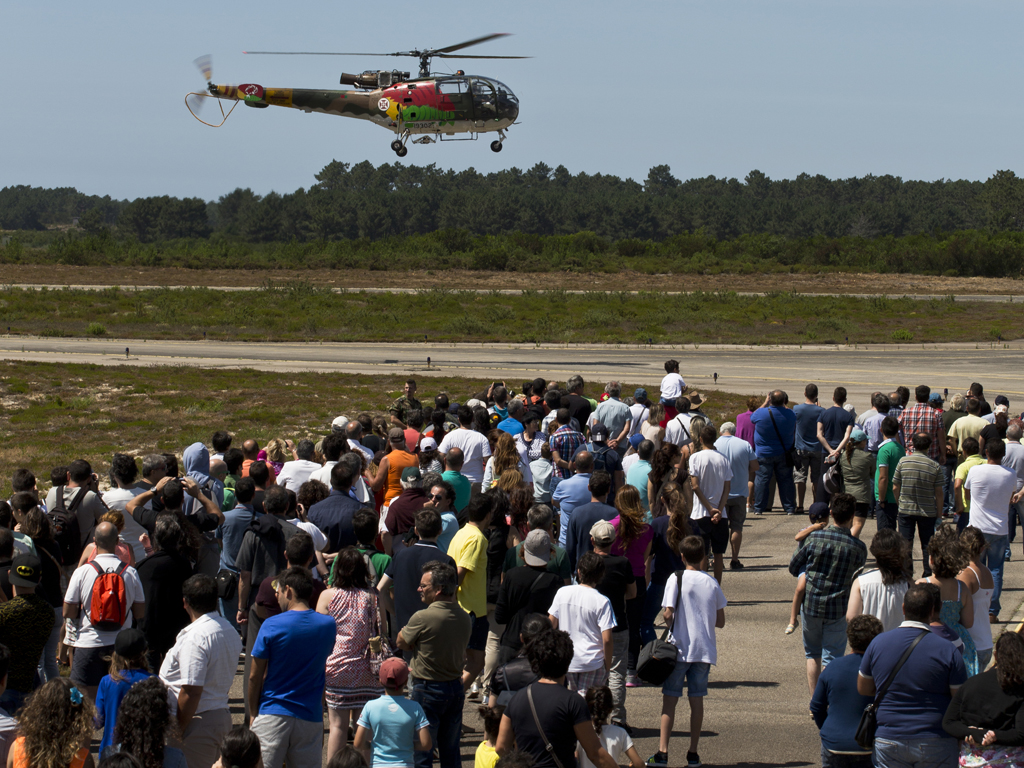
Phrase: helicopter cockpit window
(485, 98)
(450, 87)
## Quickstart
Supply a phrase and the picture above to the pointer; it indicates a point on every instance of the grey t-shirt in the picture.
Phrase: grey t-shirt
(88, 512)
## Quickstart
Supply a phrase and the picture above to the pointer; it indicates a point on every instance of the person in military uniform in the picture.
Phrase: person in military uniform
(399, 410)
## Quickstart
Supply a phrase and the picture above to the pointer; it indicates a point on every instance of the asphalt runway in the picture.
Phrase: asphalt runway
(862, 369)
(756, 712)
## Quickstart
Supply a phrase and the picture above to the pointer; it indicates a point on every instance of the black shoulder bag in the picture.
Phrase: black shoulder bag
(658, 658)
(865, 735)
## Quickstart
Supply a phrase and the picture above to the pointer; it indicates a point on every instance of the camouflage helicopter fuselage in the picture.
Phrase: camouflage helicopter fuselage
(436, 105)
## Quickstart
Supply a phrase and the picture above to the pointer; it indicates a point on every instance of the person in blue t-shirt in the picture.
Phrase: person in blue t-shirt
(127, 667)
(808, 449)
(394, 726)
(774, 437)
(837, 706)
(835, 424)
(286, 682)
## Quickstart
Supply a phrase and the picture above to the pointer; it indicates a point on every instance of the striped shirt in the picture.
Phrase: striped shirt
(917, 477)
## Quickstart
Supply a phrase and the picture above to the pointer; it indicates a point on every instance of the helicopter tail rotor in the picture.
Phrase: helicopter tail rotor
(196, 100)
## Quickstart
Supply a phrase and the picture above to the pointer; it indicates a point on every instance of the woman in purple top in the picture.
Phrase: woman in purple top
(633, 540)
(744, 427)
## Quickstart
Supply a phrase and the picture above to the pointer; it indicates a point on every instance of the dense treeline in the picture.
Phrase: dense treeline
(397, 216)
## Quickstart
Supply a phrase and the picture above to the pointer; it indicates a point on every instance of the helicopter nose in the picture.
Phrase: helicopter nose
(509, 107)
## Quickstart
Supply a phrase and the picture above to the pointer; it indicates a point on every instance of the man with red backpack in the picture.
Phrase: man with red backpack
(102, 596)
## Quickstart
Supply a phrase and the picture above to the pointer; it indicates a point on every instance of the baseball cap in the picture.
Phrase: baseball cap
(635, 440)
(26, 571)
(640, 395)
(935, 397)
(394, 673)
(818, 511)
(603, 532)
(428, 444)
(537, 548)
(599, 432)
(411, 473)
(453, 408)
(476, 403)
(339, 424)
(396, 435)
(130, 643)
(858, 434)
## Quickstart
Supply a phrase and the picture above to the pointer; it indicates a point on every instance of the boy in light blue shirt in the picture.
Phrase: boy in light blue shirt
(394, 726)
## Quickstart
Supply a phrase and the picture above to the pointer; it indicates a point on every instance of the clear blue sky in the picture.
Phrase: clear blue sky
(923, 90)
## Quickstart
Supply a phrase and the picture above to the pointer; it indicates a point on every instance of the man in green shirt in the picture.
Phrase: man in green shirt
(889, 454)
(453, 462)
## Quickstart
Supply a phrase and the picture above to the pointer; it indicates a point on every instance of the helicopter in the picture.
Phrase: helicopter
(433, 107)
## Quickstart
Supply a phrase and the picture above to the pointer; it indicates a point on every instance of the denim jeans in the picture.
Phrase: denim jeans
(837, 760)
(48, 668)
(652, 607)
(442, 703)
(916, 753)
(948, 502)
(993, 560)
(769, 466)
(824, 639)
(925, 528)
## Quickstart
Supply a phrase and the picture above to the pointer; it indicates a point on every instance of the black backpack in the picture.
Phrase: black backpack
(64, 525)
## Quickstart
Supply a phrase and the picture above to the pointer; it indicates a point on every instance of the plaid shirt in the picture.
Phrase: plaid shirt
(566, 441)
(830, 559)
(921, 417)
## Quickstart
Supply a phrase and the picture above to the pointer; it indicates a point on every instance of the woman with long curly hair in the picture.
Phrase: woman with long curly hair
(664, 466)
(505, 456)
(56, 728)
(947, 557)
(879, 592)
(986, 711)
(143, 725)
(669, 531)
(358, 616)
(633, 539)
(521, 500)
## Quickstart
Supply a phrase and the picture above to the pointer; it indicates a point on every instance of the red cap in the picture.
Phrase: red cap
(394, 673)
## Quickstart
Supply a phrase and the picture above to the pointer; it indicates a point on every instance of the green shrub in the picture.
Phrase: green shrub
(95, 329)
(902, 334)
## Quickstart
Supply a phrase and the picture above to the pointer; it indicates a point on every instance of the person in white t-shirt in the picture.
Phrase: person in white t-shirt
(672, 386)
(123, 473)
(989, 489)
(474, 445)
(93, 646)
(614, 738)
(638, 411)
(294, 473)
(587, 616)
(710, 479)
(677, 429)
(694, 607)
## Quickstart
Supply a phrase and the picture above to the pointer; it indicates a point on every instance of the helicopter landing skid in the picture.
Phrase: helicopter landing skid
(223, 115)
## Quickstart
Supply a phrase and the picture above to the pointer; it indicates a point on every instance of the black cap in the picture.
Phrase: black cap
(130, 643)
(818, 511)
(26, 571)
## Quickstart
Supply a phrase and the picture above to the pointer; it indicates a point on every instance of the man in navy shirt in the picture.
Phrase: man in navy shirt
(910, 715)
(334, 514)
(577, 537)
(771, 421)
(835, 424)
(808, 449)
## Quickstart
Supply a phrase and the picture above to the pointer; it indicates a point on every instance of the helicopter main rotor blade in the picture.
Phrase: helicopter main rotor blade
(466, 56)
(468, 43)
(321, 53)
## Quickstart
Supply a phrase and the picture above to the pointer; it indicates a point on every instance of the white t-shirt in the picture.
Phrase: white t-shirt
(80, 593)
(355, 445)
(324, 476)
(677, 431)
(672, 386)
(991, 487)
(628, 461)
(584, 613)
(205, 653)
(118, 498)
(614, 739)
(294, 473)
(639, 414)
(524, 470)
(693, 626)
(712, 470)
(475, 449)
(319, 539)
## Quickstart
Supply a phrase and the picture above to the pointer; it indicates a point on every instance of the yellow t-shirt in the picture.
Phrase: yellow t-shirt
(469, 549)
(486, 757)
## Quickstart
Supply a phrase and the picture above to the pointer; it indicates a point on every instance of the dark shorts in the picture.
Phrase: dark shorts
(717, 534)
(89, 665)
(478, 638)
(736, 508)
